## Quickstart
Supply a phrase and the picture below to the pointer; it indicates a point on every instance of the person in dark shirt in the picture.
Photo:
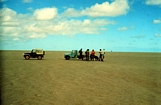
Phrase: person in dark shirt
(87, 55)
(80, 54)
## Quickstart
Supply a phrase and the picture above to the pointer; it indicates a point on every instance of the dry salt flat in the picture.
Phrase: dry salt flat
(122, 79)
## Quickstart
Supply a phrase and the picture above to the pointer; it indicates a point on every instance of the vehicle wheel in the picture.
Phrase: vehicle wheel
(39, 57)
(27, 57)
(67, 57)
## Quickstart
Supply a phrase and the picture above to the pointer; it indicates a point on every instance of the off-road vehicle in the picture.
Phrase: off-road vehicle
(74, 54)
(35, 53)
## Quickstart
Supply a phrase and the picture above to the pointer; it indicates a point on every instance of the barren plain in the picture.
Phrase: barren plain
(122, 79)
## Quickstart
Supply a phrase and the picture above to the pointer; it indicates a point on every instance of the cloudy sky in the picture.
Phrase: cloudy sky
(117, 25)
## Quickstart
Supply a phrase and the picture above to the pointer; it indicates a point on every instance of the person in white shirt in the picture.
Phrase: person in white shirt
(100, 58)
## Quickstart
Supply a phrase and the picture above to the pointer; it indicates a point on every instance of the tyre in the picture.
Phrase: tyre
(27, 57)
(39, 57)
(67, 57)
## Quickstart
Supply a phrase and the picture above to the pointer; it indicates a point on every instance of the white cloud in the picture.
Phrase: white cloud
(19, 27)
(157, 21)
(35, 35)
(138, 36)
(7, 14)
(9, 23)
(3, 0)
(30, 9)
(125, 28)
(16, 39)
(153, 2)
(72, 27)
(116, 8)
(26, 1)
(157, 35)
(45, 13)
(71, 12)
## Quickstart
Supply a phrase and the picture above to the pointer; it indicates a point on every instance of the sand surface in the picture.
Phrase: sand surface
(122, 79)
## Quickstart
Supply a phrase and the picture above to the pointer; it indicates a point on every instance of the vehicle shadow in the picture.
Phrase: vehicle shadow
(33, 59)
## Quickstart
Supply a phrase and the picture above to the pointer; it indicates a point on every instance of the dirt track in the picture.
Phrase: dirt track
(122, 79)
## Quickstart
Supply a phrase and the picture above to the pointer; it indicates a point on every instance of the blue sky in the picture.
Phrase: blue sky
(117, 25)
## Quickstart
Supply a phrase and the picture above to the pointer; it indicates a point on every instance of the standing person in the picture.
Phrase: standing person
(92, 55)
(80, 54)
(100, 58)
(87, 55)
(93, 52)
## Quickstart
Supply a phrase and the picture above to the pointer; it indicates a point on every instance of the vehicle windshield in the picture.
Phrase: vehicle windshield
(33, 51)
(39, 51)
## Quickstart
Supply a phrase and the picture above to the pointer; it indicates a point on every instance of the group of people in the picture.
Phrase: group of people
(92, 55)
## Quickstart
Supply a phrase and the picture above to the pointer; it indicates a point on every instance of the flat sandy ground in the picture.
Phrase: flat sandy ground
(122, 79)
